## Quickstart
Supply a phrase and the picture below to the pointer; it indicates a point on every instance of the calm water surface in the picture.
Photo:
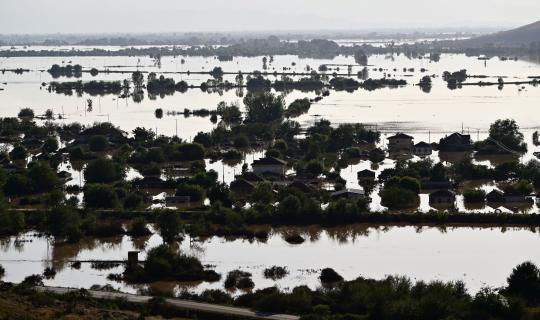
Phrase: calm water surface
(480, 257)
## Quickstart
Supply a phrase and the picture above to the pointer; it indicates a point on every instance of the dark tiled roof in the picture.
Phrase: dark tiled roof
(269, 161)
(400, 136)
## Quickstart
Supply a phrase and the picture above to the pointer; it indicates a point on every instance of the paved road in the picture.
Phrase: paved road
(182, 304)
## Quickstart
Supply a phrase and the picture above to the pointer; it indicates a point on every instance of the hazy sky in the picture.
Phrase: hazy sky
(87, 16)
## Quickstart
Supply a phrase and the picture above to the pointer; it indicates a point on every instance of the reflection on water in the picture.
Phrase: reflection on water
(480, 256)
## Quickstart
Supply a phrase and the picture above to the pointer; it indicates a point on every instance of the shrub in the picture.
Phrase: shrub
(104, 171)
(474, 195)
(100, 196)
(329, 275)
(98, 143)
(26, 113)
(138, 228)
(275, 272)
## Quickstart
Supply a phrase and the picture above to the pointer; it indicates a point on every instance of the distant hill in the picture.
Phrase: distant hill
(515, 37)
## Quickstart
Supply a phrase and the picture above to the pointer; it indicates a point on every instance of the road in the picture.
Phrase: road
(182, 304)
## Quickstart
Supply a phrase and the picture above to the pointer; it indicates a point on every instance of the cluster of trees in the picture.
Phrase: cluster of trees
(504, 138)
(69, 71)
(165, 263)
(93, 88)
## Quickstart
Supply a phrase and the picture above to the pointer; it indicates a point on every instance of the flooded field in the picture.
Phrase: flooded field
(480, 257)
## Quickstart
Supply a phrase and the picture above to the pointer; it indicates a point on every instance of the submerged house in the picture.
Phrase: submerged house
(400, 142)
(242, 187)
(269, 165)
(456, 142)
(442, 197)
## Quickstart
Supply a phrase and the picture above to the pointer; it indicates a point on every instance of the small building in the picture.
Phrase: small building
(400, 142)
(269, 165)
(495, 196)
(456, 142)
(422, 149)
(149, 183)
(366, 174)
(348, 194)
(242, 187)
(442, 197)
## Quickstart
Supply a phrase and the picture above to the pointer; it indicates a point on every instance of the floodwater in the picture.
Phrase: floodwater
(477, 256)
(426, 116)
(480, 257)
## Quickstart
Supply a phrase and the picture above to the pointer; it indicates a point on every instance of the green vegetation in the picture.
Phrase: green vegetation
(164, 263)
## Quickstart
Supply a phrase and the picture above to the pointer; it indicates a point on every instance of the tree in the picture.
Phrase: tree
(524, 281)
(195, 192)
(64, 222)
(169, 226)
(18, 153)
(398, 198)
(329, 275)
(229, 113)
(50, 145)
(314, 168)
(263, 107)
(26, 113)
(100, 196)
(507, 132)
(18, 185)
(43, 177)
(98, 143)
(104, 171)
(263, 193)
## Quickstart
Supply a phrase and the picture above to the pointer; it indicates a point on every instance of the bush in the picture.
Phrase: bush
(164, 263)
(138, 228)
(474, 195)
(100, 196)
(26, 113)
(329, 275)
(43, 177)
(263, 107)
(18, 153)
(98, 143)
(524, 281)
(195, 192)
(275, 272)
(50, 145)
(104, 171)
(398, 198)
(238, 279)
(133, 201)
